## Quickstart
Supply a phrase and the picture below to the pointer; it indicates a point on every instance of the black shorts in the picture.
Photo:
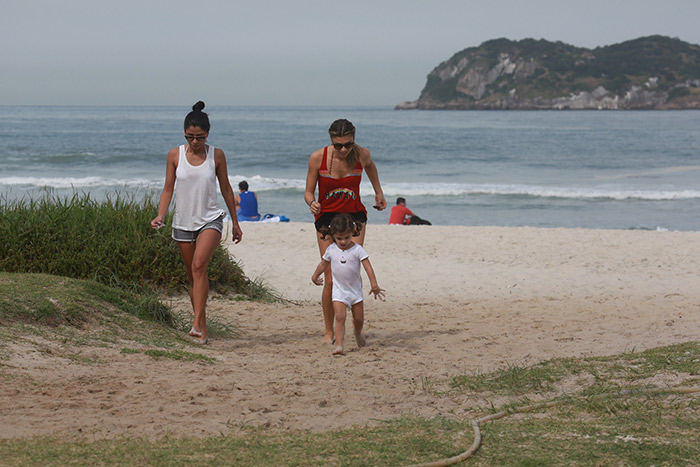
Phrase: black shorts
(322, 223)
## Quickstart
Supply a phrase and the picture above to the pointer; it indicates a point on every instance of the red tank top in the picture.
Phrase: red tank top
(342, 194)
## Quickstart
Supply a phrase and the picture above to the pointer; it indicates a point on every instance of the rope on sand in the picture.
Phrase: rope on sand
(477, 431)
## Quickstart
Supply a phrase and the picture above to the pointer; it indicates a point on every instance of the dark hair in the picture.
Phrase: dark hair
(400, 200)
(343, 127)
(343, 223)
(197, 117)
(243, 186)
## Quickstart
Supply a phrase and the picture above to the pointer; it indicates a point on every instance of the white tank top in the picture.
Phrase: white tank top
(196, 202)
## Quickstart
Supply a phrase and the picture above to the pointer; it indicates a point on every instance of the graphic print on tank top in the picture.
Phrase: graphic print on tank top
(339, 194)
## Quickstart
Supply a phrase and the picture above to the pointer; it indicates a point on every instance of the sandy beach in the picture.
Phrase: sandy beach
(458, 300)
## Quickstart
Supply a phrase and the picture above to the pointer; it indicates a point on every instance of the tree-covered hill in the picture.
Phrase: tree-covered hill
(654, 72)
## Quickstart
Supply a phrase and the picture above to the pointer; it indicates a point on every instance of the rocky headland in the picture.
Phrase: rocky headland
(654, 72)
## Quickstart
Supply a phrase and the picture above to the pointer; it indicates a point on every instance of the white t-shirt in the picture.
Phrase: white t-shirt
(346, 269)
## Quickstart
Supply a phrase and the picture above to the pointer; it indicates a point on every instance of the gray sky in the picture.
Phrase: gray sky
(284, 52)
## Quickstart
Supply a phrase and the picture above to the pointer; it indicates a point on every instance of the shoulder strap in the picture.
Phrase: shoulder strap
(324, 160)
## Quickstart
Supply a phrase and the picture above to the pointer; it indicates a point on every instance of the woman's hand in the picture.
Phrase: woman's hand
(315, 207)
(379, 202)
(237, 234)
(157, 223)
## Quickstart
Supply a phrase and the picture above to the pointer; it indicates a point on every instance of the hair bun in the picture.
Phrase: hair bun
(199, 106)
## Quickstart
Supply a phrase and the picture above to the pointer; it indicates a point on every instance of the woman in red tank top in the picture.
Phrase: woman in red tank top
(337, 171)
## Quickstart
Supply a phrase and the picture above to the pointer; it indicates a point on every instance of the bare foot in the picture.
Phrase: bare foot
(360, 339)
(329, 339)
(339, 350)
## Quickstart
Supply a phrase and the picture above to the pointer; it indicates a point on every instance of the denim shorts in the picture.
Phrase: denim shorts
(191, 235)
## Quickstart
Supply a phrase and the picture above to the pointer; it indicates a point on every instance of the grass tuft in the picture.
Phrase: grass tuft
(110, 242)
(61, 301)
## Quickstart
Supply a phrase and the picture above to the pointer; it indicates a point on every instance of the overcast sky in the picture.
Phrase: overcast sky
(284, 52)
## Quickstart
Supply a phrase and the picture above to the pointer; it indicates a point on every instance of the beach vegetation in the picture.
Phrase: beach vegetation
(55, 301)
(603, 374)
(80, 312)
(384, 444)
(118, 260)
(109, 241)
(635, 408)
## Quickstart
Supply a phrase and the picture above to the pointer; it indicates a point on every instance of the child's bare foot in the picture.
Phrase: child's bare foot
(339, 350)
(360, 339)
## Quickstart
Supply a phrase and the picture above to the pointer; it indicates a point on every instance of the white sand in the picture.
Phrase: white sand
(459, 300)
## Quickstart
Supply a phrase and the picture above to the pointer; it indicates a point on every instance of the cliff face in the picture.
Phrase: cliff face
(648, 73)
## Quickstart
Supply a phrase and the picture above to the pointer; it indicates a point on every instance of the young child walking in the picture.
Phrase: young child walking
(344, 257)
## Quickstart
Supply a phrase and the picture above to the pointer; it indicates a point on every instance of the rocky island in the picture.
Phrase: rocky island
(654, 72)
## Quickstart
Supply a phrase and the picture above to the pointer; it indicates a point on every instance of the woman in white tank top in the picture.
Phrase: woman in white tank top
(198, 220)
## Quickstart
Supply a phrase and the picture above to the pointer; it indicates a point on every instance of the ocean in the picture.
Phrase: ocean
(587, 169)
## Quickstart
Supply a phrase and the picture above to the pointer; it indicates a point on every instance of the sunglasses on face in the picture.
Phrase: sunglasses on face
(340, 146)
(191, 138)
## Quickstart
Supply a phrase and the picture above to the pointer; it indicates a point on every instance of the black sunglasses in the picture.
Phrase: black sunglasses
(191, 138)
(340, 146)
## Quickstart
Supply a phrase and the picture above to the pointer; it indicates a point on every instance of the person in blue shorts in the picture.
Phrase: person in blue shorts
(247, 204)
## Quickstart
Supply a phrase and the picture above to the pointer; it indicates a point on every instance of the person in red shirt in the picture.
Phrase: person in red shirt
(401, 215)
(336, 170)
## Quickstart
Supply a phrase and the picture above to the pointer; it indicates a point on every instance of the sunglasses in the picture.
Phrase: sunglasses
(340, 146)
(191, 138)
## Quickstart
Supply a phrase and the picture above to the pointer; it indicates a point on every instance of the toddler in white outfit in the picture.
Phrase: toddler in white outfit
(345, 257)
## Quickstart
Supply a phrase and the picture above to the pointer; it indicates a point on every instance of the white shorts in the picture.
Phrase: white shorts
(348, 298)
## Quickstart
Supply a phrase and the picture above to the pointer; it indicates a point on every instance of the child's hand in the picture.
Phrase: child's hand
(378, 293)
(317, 280)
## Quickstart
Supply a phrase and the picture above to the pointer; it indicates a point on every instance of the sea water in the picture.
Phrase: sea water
(607, 169)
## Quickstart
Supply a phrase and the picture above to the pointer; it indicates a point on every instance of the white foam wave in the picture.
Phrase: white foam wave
(458, 190)
(75, 182)
(260, 183)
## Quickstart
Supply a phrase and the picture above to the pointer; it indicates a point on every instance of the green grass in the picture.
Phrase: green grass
(611, 429)
(641, 430)
(85, 312)
(385, 444)
(51, 242)
(623, 422)
(110, 241)
(44, 299)
(603, 374)
(64, 317)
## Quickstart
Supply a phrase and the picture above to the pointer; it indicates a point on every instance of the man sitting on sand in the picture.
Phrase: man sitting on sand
(400, 214)
(247, 204)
